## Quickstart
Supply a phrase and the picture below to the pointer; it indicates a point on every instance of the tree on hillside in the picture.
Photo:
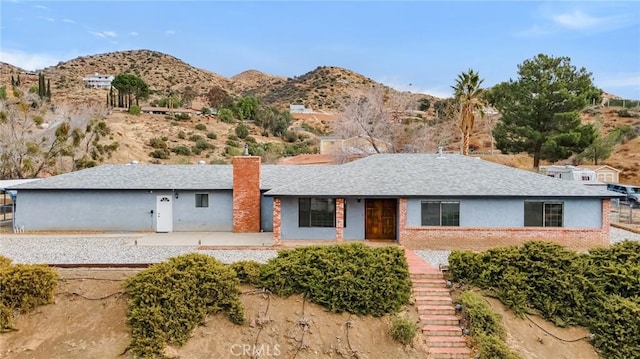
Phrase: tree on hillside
(246, 108)
(188, 94)
(540, 109)
(130, 87)
(601, 147)
(72, 141)
(218, 98)
(272, 120)
(468, 95)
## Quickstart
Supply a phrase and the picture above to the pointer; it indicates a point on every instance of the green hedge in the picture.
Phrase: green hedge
(348, 277)
(566, 287)
(169, 299)
(247, 271)
(24, 287)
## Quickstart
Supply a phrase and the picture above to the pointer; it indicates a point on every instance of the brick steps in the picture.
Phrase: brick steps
(436, 309)
(446, 342)
(439, 319)
(449, 353)
(432, 299)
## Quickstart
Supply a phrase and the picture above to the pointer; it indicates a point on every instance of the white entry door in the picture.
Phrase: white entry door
(164, 214)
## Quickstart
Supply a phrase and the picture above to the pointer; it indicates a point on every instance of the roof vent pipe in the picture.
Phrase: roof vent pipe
(246, 149)
(134, 162)
(440, 154)
(201, 163)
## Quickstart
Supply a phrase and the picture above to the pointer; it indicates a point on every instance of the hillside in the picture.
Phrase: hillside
(322, 89)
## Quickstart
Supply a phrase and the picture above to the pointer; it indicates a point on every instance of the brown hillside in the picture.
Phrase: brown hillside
(8, 69)
(248, 81)
(160, 71)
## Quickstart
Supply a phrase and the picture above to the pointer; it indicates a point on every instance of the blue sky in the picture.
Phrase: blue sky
(420, 46)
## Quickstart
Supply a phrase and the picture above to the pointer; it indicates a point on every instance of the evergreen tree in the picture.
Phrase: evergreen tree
(48, 89)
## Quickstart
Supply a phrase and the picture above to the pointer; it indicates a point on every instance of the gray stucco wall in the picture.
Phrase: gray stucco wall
(119, 210)
(218, 217)
(290, 229)
(578, 212)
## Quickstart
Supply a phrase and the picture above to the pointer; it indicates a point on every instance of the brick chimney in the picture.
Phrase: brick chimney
(246, 194)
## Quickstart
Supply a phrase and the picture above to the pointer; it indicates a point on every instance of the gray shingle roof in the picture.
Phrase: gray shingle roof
(376, 175)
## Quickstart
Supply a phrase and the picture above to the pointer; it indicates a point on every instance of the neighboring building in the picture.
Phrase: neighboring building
(299, 109)
(333, 145)
(98, 81)
(572, 173)
(418, 200)
(604, 173)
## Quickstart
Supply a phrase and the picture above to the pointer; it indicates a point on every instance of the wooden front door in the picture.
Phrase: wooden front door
(380, 219)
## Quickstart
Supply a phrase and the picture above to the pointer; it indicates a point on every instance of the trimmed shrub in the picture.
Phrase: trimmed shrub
(403, 330)
(24, 287)
(485, 327)
(247, 271)
(169, 299)
(4, 261)
(349, 277)
(599, 289)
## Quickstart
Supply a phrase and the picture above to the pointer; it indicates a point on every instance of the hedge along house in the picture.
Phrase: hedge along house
(417, 200)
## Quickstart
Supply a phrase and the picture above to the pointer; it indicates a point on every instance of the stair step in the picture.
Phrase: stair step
(430, 292)
(433, 300)
(449, 353)
(442, 330)
(426, 275)
(449, 342)
(431, 319)
(436, 309)
(429, 283)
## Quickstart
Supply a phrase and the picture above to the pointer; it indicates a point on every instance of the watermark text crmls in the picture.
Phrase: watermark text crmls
(255, 350)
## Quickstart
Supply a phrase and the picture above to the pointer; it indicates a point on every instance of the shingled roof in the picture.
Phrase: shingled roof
(383, 175)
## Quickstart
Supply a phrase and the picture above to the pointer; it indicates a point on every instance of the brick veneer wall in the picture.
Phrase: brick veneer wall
(339, 219)
(481, 238)
(246, 194)
(277, 221)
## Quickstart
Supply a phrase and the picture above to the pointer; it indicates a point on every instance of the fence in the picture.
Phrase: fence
(625, 214)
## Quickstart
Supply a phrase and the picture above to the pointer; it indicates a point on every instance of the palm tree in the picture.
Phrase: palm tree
(468, 95)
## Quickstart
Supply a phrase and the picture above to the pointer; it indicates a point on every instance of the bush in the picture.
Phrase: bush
(157, 143)
(242, 131)
(247, 271)
(24, 287)
(160, 154)
(624, 113)
(485, 327)
(250, 139)
(599, 289)
(135, 110)
(212, 135)
(201, 127)
(182, 135)
(350, 277)
(232, 143)
(403, 330)
(168, 300)
(181, 150)
(196, 138)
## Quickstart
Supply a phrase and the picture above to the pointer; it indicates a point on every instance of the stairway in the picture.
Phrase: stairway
(438, 319)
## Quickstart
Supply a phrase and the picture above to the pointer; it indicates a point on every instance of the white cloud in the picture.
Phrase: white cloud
(170, 32)
(28, 61)
(104, 34)
(578, 20)
(42, 7)
(68, 21)
(134, 33)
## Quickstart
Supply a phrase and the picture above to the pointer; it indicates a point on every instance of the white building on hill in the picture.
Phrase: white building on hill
(98, 81)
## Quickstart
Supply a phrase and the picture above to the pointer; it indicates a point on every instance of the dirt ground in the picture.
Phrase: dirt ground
(88, 320)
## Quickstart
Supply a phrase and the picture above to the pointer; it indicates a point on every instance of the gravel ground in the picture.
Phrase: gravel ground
(109, 250)
(120, 250)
